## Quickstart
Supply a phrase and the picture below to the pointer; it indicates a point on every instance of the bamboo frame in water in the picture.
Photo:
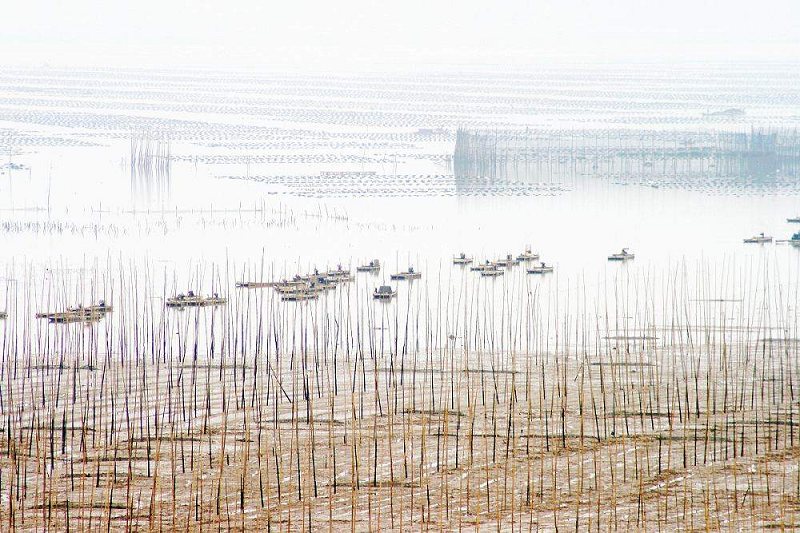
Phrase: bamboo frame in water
(662, 399)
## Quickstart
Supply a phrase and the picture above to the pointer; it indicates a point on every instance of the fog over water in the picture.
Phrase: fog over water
(350, 111)
(377, 151)
(366, 35)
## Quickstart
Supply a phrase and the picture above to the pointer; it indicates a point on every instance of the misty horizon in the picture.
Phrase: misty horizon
(360, 35)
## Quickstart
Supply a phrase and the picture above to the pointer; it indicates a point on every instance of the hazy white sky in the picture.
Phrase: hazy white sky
(320, 34)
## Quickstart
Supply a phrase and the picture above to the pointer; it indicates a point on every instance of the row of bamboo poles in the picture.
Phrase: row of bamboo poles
(150, 163)
(661, 399)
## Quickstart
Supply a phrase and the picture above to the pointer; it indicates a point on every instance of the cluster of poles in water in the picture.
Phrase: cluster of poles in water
(756, 153)
(647, 398)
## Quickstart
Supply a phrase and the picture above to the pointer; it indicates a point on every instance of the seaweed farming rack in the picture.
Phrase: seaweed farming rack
(599, 152)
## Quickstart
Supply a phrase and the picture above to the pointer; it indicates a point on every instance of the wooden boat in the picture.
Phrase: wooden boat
(508, 262)
(527, 255)
(462, 259)
(408, 275)
(215, 299)
(101, 307)
(90, 313)
(307, 287)
(624, 255)
(336, 278)
(255, 284)
(68, 317)
(297, 281)
(492, 272)
(323, 284)
(384, 292)
(758, 239)
(483, 266)
(372, 266)
(309, 277)
(192, 300)
(290, 287)
(338, 272)
(541, 269)
(299, 296)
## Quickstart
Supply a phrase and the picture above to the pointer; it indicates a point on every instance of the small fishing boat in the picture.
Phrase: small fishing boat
(90, 313)
(462, 259)
(492, 272)
(185, 300)
(407, 275)
(758, 239)
(793, 220)
(336, 278)
(306, 287)
(338, 272)
(488, 265)
(323, 284)
(309, 277)
(541, 269)
(384, 292)
(795, 240)
(527, 255)
(372, 266)
(297, 281)
(338, 275)
(508, 262)
(255, 284)
(71, 316)
(299, 296)
(215, 299)
(3, 315)
(290, 287)
(190, 299)
(624, 255)
(101, 307)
